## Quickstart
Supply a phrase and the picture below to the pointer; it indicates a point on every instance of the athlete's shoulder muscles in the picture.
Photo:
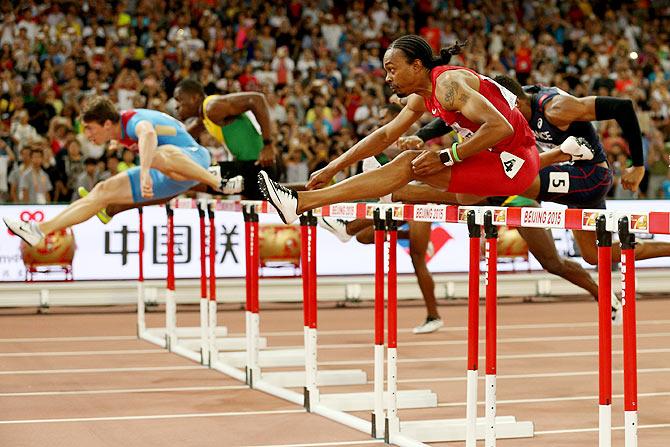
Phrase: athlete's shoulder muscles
(452, 89)
(222, 106)
(563, 109)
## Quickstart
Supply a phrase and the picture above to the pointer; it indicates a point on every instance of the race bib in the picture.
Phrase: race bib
(559, 182)
(511, 163)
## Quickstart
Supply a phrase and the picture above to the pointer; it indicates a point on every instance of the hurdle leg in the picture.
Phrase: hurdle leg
(311, 347)
(629, 332)
(141, 318)
(204, 321)
(392, 425)
(604, 240)
(378, 387)
(211, 303)
(170, 303)
(491, 327)
(473, 333)
(252, 317)
(305, 270)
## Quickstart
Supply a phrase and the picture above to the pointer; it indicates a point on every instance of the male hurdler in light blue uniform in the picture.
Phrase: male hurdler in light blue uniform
(171, 162)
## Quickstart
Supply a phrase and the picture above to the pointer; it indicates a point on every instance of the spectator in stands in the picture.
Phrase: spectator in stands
(128, 161)
(15, 175)
(35, 186)
(86, 179)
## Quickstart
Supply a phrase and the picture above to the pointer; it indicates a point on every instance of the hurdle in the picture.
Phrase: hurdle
(196, 343)
(491, 427)
(255, 359)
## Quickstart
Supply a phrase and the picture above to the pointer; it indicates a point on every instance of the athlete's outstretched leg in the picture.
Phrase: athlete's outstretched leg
(419, 237)
(586, 240)
(375, 183)
(541, 244)
(113, 190)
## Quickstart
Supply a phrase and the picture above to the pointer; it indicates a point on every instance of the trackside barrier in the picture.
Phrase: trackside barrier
(385, 405)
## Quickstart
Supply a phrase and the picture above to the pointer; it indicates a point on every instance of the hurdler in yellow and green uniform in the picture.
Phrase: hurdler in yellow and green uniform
(240, 121)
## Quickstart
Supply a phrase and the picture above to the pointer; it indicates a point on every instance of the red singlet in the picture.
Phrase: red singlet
(511, 165)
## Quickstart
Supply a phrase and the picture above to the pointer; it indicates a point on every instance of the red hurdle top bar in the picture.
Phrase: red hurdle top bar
(650, 222)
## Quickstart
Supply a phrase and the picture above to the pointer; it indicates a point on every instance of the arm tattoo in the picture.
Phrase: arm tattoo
(450, 94)
(454, 93)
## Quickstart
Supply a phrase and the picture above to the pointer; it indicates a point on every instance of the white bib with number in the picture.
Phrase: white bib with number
(559, 182)
(511, 163)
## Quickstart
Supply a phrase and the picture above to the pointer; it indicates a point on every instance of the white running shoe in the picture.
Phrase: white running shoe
(283, 199)
(28, 231)
(336, 226)
(617, 311)
(428, 326)
(578, 148)
(234, 185)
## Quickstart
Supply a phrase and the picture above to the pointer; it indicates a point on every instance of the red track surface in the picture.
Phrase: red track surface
(547, 373)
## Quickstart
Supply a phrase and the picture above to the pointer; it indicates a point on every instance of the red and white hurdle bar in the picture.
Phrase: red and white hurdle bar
(652, 222)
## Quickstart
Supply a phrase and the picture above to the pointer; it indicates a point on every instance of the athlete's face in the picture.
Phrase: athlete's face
(401, 76)
(99, 133)
(188, 105)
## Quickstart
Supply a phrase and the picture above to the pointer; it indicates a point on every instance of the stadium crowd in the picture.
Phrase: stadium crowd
(317, 61)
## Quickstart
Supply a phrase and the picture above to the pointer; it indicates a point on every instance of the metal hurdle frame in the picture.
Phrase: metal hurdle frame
(472, 428)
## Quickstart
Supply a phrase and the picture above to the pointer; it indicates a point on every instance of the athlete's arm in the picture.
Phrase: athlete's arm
(147, 142)
(434, 129)
(562, 110)
(454, 92)
(373, 144)
(234, 104)
(195, 127)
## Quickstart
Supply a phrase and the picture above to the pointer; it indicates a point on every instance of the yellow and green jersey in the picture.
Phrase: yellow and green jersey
(242, 136)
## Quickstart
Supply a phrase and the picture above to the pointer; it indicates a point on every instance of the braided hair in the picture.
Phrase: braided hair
(416, 47)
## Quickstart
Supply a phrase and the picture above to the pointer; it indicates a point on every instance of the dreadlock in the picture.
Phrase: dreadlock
(416, 47)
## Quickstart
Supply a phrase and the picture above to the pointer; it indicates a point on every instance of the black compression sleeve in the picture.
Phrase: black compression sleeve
(622, 111)
(434, 129)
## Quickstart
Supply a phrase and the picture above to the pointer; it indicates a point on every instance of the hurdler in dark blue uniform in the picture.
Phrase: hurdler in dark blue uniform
(579, 184)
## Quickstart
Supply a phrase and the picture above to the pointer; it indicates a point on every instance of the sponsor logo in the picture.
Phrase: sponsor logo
(430, 213)
(589, 219)
(343, 210)
(433, 111)
(539, 123)
(439, 237)
(500, 216)
(639, 222)
(542, 218)
(35, 216)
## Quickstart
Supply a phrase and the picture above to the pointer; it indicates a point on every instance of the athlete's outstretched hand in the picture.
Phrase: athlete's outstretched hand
(427, 163)
(631, 177)
(320, 178)
(147, 184)
(410, 143)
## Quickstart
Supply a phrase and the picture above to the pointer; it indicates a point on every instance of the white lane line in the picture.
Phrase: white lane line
(500, 357)
(83, 353)
(323, 444)
(50, 339)
(584, 430)
(331, 332)
(531, 376)
(150, 417)
(552, 399)
(504, 340)
(462, 328)
(126, 391)
(102, 370)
